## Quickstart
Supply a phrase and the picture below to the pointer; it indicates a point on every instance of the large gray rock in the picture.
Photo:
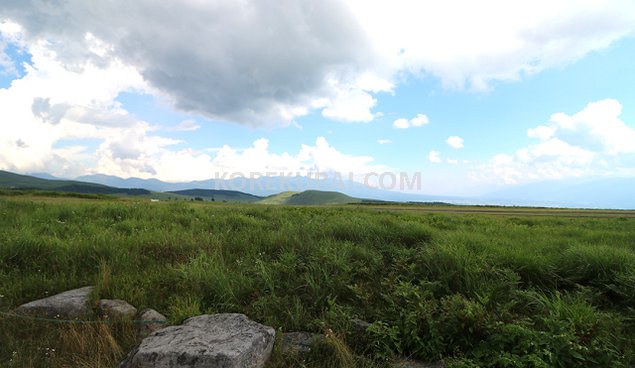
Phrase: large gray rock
(67, 305)
(149, 321)
(226, 340)
(115, 309)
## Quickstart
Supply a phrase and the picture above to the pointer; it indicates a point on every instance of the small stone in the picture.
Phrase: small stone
(148, 321)
(299, 342)
(115, 309)
(70, 304)
(359, 326)
(358, 334)
(408, 363)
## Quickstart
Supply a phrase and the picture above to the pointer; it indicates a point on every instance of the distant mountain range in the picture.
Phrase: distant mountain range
(10, 180)
(266, 186)
(616, 193)
(15, 181)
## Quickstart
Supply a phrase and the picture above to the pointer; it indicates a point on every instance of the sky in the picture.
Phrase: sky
(472, 96)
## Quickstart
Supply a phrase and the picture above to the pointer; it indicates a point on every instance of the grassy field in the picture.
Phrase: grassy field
(488, 288)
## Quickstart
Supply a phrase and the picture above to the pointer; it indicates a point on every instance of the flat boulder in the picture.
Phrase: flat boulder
(227, 340)
(116, 309)
(70, 304)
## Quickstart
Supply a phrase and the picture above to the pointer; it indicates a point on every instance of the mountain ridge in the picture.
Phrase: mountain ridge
(218, 195)
(615, 192)
(271, 185)
(10, 180)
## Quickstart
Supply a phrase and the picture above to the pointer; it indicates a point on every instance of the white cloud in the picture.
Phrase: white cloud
(324, 158)
(340, 52)
(333, 57)
(416, 122)
(351, 105)
(455, 142)
(384, 141)
(52, 104)
(594, 141)
(52, 117)
(434, 157)
(401, 123)
(469, 44)
(6, 65)
(419, 120)
(452, 161)
(10, 33)
(187, 126)
(541, 132)
(248, 75)
(597, 127)
(187, 164)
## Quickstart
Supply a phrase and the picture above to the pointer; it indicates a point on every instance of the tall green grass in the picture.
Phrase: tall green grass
(471, 290)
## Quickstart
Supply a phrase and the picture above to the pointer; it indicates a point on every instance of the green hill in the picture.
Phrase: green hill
(10, 180)
(219, 195)
(280, 198)
(310, 197)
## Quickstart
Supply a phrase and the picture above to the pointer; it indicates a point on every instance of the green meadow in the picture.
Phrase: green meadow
(521, 289)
